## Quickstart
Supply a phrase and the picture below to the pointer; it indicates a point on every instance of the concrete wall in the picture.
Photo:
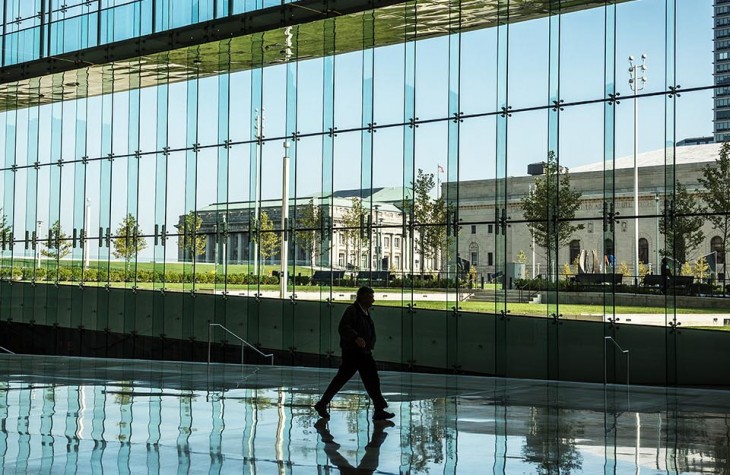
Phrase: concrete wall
(641, 300)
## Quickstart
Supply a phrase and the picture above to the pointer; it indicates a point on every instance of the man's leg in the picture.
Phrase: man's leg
(369, 375)
(347, 369)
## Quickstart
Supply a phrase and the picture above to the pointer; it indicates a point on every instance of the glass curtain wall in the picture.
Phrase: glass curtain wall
(492, 171)
(37, 29)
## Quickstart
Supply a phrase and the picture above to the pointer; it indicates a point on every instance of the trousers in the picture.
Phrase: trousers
(354, 361)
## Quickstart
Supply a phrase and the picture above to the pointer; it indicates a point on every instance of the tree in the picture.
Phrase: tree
(429, 217)
(58, 245)
(553, 451)
(702, 269)
(4, 228)
(683, 230)
(128, 241)
(550, 207)
(269, 241)
(191, 242)
(716, 181)
(308, 230)
(352, 221)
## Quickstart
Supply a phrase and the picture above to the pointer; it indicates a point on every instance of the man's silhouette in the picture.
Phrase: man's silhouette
(357, 340)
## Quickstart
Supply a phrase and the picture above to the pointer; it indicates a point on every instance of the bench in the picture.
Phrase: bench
(325, 277)
(677, 282)
(380, 276)
(596, 279)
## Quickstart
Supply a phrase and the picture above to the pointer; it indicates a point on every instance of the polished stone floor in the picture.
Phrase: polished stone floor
(75, 415)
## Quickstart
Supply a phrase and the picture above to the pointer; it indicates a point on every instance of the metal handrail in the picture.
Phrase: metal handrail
(210, 325)
(6, 350)
(626, 352)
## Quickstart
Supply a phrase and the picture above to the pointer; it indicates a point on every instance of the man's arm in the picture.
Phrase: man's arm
(347, 324)
(347, 327)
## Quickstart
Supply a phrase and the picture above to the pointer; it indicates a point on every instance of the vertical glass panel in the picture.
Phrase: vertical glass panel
(477, 157)
(695, 45)
(308, 183)
(633, 22)
(195, 238)
(178, 111)
(431, 143)
(274, 100)
(310, 105)
(478, 81)
(211, 214)
(178, 245)
(348, 88)
(240, 117)
(432, 78)
(388, 89)
(582, 51)
(528, 58)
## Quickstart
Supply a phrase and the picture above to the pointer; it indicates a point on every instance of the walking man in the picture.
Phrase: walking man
(357, 339)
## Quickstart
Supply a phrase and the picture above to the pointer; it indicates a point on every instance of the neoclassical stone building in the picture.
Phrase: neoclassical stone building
(477, 239)
(386, 249)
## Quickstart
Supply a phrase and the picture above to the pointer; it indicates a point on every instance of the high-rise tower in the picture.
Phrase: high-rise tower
(722, 71)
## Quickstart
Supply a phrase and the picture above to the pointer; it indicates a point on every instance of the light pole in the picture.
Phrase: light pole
(38, 244)
(284, 275)
(259, 125)
(656, 243)
(377, 238)
(87, 226)
(215, 249)
(636, 84)
(532, 192)
(224, 244)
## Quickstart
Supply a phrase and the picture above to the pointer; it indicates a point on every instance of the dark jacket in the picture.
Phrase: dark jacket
(356, 323)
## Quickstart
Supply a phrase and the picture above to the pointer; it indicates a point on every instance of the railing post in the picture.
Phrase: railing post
(605, 358)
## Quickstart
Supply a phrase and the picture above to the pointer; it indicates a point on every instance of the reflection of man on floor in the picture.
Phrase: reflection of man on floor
(369, 462)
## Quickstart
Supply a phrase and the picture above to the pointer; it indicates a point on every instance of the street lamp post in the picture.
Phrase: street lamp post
(224, 244)
(259, 125)
(377, 237)
(636, 83)
(215, 249)
(87, 226)
(38, 244)
(656, 243)
(284, 275)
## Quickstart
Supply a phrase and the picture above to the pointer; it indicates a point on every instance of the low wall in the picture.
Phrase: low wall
(641, 300)
(90, 321)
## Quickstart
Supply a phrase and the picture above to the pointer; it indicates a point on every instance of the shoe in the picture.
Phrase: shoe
(382, 415)
(322, 410)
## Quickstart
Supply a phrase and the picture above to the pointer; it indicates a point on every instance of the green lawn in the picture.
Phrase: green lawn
(544, 309)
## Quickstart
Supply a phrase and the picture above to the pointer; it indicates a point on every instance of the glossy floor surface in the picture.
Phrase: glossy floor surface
(67, 415)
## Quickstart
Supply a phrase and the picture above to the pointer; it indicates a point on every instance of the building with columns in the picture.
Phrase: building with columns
(387, 247)
(479, 241)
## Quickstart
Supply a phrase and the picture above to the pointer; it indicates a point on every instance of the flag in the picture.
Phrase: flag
(440, 168)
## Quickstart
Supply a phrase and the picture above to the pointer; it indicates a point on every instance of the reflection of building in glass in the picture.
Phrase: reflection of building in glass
(477, 205)
(379, 239)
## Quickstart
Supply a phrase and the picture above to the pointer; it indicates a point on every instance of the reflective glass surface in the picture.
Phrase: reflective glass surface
(92, 416)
